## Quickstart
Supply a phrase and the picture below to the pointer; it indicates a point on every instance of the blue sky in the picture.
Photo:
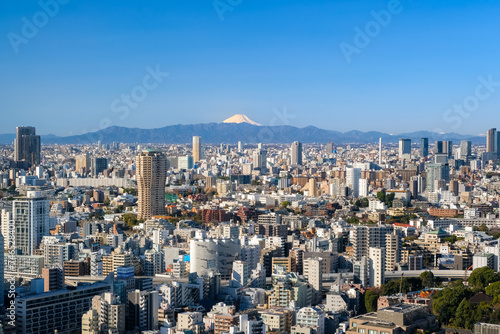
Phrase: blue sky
(262, 58)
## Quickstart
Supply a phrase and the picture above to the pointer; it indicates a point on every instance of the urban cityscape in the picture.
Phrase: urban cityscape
(250, 238)
(249, 167)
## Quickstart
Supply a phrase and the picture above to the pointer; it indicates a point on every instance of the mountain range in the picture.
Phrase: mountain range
(231, 133)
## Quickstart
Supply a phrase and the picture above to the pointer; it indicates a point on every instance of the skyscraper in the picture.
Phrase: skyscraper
(259, 158)
(151, 174)
(380, 151)
(448, 147)
(82, 163)
(404, 148)
(443, 147)
(438, 147)
(196, 148)
(27, 145)
(98, 165)
(436, 172)
(31, 220)
(465, 149)
(296, 153)
(490, 140)
(424, 150)
(352, 179)
(329, 147)
(497, 147)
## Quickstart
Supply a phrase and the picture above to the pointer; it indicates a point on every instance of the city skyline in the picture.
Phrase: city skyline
(249, 167)
(194, 62)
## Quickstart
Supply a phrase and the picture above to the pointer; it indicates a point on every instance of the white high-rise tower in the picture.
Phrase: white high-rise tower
(380, 151)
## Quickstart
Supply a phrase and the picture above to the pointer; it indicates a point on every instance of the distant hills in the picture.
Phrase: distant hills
(216, 133)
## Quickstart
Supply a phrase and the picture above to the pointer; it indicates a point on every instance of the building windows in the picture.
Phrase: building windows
(354, 325)
(372, 332)
(362, 331)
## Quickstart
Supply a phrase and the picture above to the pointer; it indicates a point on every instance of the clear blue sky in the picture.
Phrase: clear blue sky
(263, 56)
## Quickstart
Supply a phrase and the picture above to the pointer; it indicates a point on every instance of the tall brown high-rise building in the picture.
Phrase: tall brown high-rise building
(196, 148)
(27, 145)
(82, 162)
(151, 174)
(490, 140)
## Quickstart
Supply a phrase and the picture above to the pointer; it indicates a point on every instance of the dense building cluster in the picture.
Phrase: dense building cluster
(240, 238)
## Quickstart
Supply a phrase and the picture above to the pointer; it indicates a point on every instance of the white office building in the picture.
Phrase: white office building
(377, 266)
(31, 218)
(363, 187)
(352, 179)
(240, 272)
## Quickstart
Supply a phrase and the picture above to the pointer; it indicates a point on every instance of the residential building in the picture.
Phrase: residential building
(151, 172)
(377, 266)
(31, 218)
(61, 310)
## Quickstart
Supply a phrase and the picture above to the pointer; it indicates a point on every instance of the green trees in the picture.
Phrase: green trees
(451, 239)
(119, 209)
(467, 314)
(480, 278)
(406, 284)
(452, 306)
(463, 314)
(483, 228)
(428, 280)
(447, 301)
(130, 191)
(493, 290)
(387, 199)
(130, 219)
(352, 220)
(371, 298)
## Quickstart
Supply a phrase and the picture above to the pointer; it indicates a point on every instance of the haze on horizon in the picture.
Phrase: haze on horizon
(279, 63)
